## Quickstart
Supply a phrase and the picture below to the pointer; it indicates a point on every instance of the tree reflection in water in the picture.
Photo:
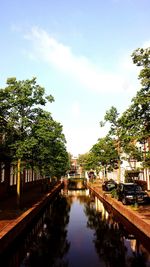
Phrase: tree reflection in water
(109, 241)
(51, 243)
(51, 247)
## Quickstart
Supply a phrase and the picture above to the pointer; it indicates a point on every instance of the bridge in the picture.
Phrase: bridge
(76, 183)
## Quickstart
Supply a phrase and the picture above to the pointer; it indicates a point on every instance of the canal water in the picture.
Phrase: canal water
(76, 230)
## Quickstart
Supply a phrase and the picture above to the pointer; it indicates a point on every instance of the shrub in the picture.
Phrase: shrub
(114, 193)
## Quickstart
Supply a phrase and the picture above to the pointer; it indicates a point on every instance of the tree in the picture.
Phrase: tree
(20, 104)
(29, 133)
(124, 138)
(140, 108)
(87, 161)
(112, 116)
(49, 153)
(134, 124)
(136, 119)
(105, 153)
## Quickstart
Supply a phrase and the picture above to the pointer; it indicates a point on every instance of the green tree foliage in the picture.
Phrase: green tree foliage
(50, 151)
(137, 116)
(105, 153)
(29, 132)
(134, 124)
(87, 161)
(112, 116)
(135, 121)
(20, 102)
(125, 140)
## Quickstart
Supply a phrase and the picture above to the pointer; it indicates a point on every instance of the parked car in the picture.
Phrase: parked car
(109, 185)
(131, 193)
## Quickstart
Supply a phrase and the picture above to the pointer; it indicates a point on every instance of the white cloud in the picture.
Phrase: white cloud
(131, 71)
(80, 68)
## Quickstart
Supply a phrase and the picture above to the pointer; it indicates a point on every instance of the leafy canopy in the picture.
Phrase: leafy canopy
(29, 132)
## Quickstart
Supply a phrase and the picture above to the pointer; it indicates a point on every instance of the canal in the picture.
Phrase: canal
(76, 230)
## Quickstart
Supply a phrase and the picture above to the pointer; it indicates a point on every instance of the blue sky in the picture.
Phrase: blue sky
(80, 51)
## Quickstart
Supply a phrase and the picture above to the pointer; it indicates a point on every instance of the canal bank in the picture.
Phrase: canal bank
(14, 221)
(75, 228)
(139, 217)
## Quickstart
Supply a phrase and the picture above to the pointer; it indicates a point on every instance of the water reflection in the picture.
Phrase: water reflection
(113, 243)
(76, 184)
(76, 230)
(50, 245)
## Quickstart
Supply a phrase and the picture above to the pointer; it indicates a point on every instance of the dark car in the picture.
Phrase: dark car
(131, 193)
(109, 185)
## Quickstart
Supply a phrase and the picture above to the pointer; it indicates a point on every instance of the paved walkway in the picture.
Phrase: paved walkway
(9, 210)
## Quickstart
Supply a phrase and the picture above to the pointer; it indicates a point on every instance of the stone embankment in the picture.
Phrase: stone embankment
(139, 217)
(13, 222)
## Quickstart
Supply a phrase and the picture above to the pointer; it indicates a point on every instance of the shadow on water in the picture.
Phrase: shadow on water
(76, 184)
(113, 244)
(51, 243)
(76, 230)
